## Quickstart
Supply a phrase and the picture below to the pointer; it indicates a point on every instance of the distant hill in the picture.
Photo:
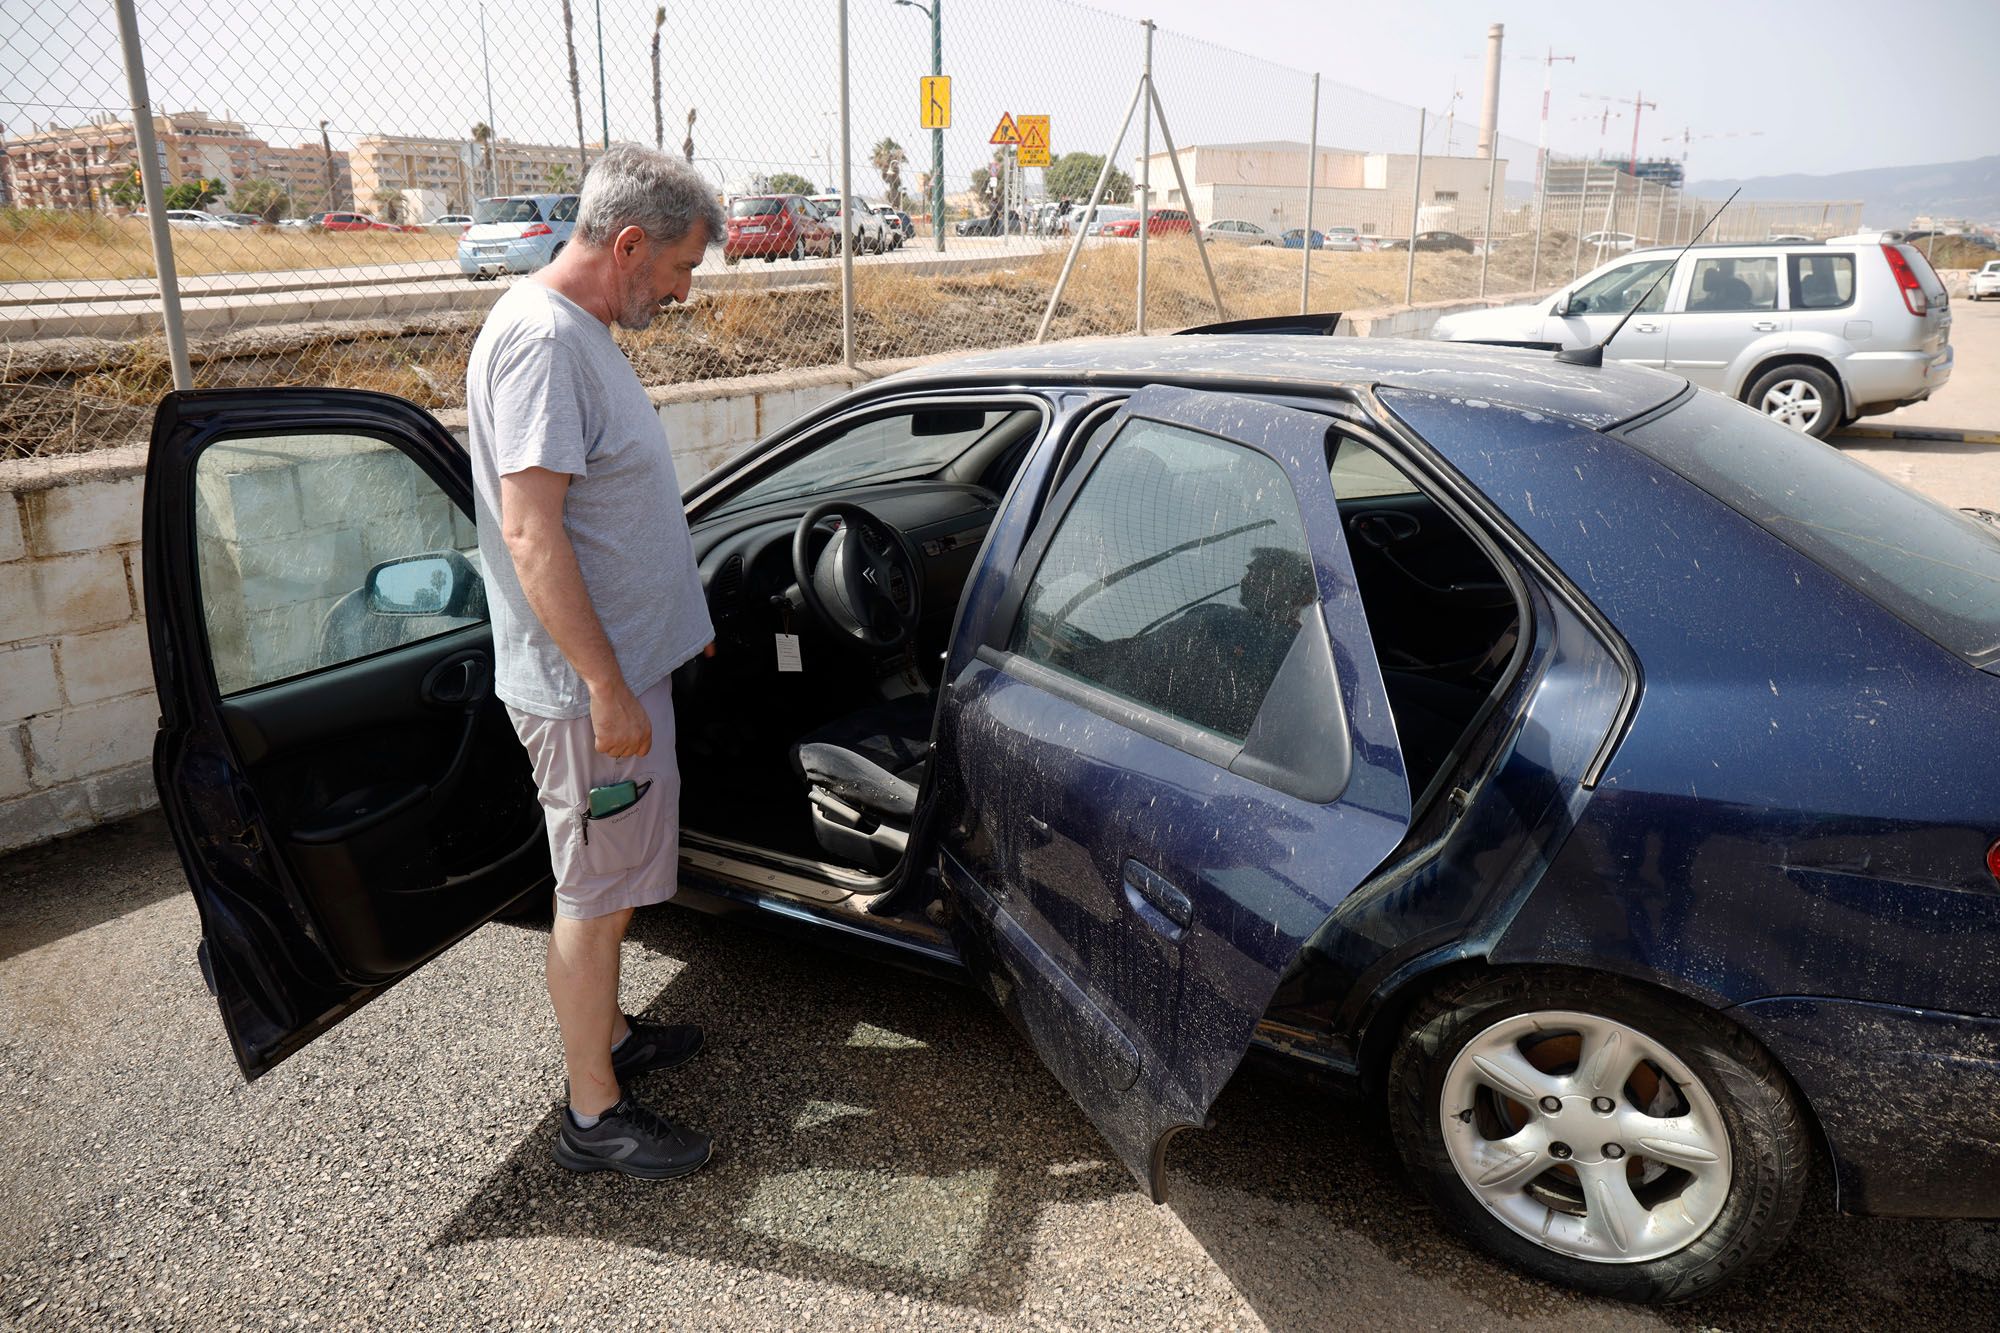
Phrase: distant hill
(1890, 196)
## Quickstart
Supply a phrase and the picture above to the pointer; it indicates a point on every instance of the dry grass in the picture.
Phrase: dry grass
(97, 401)
(40, 246)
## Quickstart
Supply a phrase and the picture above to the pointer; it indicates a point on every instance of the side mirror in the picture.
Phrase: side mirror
(441, 583)
(1574, 305)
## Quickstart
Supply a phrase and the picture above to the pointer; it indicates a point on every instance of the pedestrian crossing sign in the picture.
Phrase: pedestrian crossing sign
(935, 95)
(1034, 140)
(1006, 132)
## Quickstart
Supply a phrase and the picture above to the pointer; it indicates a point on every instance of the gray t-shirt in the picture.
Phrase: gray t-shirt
(548, 387)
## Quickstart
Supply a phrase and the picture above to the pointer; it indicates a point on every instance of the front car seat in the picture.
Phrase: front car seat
(862, 773)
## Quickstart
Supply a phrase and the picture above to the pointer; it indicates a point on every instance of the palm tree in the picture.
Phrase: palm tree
(482, 135)
(659, 106)
(889, 159)
(558, 178)
(575, 87)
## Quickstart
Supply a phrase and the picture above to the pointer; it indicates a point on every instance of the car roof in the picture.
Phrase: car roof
(1594, 396)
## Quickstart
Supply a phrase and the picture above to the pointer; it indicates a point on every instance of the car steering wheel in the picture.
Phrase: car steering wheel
(865, 585)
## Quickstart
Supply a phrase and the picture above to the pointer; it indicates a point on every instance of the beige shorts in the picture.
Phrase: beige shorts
(629, 859)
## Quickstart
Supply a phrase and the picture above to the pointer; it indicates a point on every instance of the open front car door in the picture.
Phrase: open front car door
(346, 793)
(1166, 756)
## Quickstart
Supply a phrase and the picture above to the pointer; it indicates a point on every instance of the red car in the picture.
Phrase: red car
(359, 222)
(1161, 222)
(764, 226)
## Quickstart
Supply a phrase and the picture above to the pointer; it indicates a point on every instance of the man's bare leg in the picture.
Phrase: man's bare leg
(583, 986)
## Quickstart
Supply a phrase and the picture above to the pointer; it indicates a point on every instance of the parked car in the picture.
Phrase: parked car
(315, 220)
(1582, 767)
(1985, 283)
(861, 223)
(193, 217)
(1109, 215)
(1610, 242)
(1812, 334)
(243, 219)
(901, 228)
(1295, 239)
(453, 223)
(1369, 242)
(1234, 231)
(1342, 238)
(1009, 223)
(1161, 222)
(1444, 241)
(516, 233)
(352, 222)
(765, 226)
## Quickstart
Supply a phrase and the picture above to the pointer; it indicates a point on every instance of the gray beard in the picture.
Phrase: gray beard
(640, 310)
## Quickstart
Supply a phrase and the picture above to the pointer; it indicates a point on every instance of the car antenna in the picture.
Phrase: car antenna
(1593, 355)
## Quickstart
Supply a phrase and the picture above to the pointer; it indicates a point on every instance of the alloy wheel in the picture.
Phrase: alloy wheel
(1796, 403)
(1585, 1136)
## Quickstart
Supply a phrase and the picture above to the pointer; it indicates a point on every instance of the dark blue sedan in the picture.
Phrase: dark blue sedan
(1586, 768)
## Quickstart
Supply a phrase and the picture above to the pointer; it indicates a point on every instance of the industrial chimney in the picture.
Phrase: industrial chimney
(1489, 115)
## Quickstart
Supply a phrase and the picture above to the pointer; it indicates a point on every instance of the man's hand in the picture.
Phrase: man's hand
(619, 722)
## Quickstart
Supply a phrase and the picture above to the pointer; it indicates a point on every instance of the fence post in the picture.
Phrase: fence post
(156, 194)
(1416, 200)
(1146, 168)
(1312, 182)
(846, 207)
(1541, 212)
(1582, 211)
(1492, 175)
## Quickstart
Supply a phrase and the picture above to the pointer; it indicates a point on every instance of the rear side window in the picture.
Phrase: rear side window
(506, 210)
(1929, 565)
(1821, 282)
(1749, 283)
(756, 208)
(565, 209)
(1177, 580)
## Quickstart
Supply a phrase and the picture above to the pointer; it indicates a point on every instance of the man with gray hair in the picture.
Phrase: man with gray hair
(595, 600)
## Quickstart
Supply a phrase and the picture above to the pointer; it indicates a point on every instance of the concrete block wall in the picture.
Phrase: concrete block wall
(77, 712)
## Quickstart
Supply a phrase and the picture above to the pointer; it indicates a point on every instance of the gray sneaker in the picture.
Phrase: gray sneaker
(630, 1139)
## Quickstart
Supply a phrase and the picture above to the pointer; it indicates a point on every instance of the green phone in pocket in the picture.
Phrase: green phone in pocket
(616, 797)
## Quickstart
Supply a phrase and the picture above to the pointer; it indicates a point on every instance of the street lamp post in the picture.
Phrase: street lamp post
(603, 102)
(492, 185)
(936, 11)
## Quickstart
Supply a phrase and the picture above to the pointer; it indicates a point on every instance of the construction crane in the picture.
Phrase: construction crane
(1639, 104)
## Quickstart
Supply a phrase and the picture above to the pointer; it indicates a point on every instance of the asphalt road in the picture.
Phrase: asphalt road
(890, 1153)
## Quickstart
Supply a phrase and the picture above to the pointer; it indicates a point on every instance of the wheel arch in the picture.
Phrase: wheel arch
(1795, 357)
(1383, 1015)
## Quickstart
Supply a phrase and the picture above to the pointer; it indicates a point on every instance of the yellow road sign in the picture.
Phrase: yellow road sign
(1006, 132)
(1034, 140)
(935, 93)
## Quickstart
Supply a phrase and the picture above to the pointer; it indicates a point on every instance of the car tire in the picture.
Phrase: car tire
(1803, 397)
(731, 260)
(555, 253)
(1685, 1225)
(798, 251)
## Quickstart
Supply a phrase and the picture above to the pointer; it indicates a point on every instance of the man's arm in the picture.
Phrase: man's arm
(531, 522)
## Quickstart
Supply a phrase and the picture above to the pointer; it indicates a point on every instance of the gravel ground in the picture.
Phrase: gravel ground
(889, 1154)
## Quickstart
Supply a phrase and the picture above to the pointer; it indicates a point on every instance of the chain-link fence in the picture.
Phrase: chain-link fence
(346, 196)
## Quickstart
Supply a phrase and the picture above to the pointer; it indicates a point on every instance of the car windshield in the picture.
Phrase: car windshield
(756, 208)
(506, 210)
(1934, 567)
(891, 448)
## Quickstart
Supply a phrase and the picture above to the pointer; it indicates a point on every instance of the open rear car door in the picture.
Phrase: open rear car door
(1166, 756)
(346, 793)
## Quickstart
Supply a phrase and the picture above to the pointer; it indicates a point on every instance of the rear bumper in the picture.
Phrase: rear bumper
(1895, 377)
(1909, 1100)
(517, 257)
(756, 247)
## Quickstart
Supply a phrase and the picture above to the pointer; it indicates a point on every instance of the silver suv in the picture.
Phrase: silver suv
(1813, 335)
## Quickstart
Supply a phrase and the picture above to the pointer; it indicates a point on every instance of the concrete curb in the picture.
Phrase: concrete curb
(1921, 433)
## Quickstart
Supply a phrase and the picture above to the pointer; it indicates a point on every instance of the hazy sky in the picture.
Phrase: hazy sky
(1833, 85)
(1830, 84)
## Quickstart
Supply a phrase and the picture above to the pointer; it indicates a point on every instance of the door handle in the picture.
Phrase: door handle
(1646, 328)
(1147, 888)
(1765, 326)
(1039, 833)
